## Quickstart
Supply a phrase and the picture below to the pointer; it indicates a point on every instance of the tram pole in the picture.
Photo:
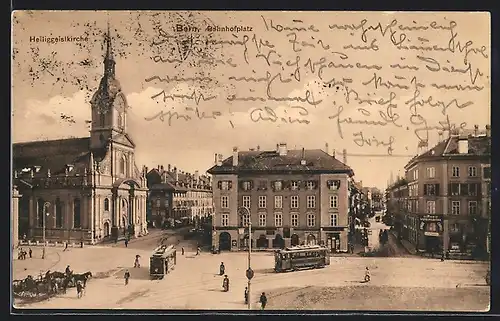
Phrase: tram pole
(249, 263)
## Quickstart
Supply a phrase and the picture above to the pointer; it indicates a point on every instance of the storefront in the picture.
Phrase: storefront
(431, 233)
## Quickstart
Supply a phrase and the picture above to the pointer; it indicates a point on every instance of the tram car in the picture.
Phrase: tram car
(162, 261)
(301, 257)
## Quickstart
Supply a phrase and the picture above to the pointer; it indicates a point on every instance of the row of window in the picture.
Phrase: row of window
(278, 201)
(412, 206)
(454, 189)
(279, 185)
(187, 203)
(455, 172)
(278, 220)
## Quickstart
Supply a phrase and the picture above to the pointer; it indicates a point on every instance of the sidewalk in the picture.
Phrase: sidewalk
(410, 248)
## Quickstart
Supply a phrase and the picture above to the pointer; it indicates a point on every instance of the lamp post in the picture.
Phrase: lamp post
(249, 272)
(45, 213)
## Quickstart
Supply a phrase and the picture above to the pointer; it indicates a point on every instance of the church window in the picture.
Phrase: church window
(41, 211)
(77, 214)
(59, 213)
(123, 165)
(106, 204)
(102, 119)
(120, 120)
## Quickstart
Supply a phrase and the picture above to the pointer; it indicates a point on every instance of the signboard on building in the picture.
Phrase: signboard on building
(432, 225)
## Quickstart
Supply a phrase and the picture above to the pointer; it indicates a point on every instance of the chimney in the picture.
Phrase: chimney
(235, 156)
(488, 131)
(333, 153)
(327, 150)
(176, 173)
(463, 145)
(169, 168)
(158, 167)
(258, 148)
(161, 168)
(303, 159)
(344, 156)
(216, 158)
(277, 148)
(219, 159)
(476, 130)
(282, 151)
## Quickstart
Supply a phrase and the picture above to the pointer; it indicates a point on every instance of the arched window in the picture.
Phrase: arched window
(123, 165)
(59, 213)
(77, 214)
(41, 211)
(121, 120)
(102, 119)
(106, 204)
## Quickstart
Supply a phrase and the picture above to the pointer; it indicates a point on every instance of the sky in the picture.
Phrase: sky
(365, 82)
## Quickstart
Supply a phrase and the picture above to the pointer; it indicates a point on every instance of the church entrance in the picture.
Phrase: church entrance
(106, 229)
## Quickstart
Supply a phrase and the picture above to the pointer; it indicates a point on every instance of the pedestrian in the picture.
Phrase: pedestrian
(126, 276)
(367, 275)
(182, 251)
(442, 257)
(225, 283)
(222, 269)
(198, 250)
(246, 295)
(79, 288)
(136, 262)
(263, 300)
(65, 246)
(126, 242)
(30, 252)
(67, 271)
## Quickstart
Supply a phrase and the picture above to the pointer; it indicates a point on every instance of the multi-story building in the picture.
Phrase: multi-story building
(84, 189)
(397, 200)
(175, 195)
(291, 197)
(449, 194)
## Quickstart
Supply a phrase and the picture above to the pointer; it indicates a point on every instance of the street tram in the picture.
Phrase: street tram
(301, 257)
(162, 261)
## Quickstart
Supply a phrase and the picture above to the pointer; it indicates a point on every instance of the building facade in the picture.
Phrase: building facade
(175, 195)
(291, 197)
(84, 189)
(448, 201)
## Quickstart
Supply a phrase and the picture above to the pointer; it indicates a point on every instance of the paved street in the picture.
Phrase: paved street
(194, 283)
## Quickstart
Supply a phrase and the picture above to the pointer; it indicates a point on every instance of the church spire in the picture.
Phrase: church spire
(109, 62)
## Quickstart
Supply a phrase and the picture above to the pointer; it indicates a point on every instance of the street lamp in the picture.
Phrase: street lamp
(45, 213)
(249, 272)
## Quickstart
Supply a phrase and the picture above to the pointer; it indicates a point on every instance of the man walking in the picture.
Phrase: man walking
(30, 251)
(79, 289)
(126, 242)
(263, 300)
(126, 276)
(182, 251)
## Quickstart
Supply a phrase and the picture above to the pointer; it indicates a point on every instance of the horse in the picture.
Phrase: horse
(57, 274)
(82, 277)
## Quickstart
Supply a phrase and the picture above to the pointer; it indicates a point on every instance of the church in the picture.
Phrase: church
(85, 189)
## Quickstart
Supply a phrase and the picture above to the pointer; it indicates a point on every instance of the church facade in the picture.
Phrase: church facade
(84, 189)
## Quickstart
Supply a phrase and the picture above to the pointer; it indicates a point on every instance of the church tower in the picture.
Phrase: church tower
(109, 105)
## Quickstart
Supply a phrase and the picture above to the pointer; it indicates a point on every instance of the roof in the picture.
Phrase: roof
(53, 155)
(478, 146)
(156, 181)
(315, 160)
